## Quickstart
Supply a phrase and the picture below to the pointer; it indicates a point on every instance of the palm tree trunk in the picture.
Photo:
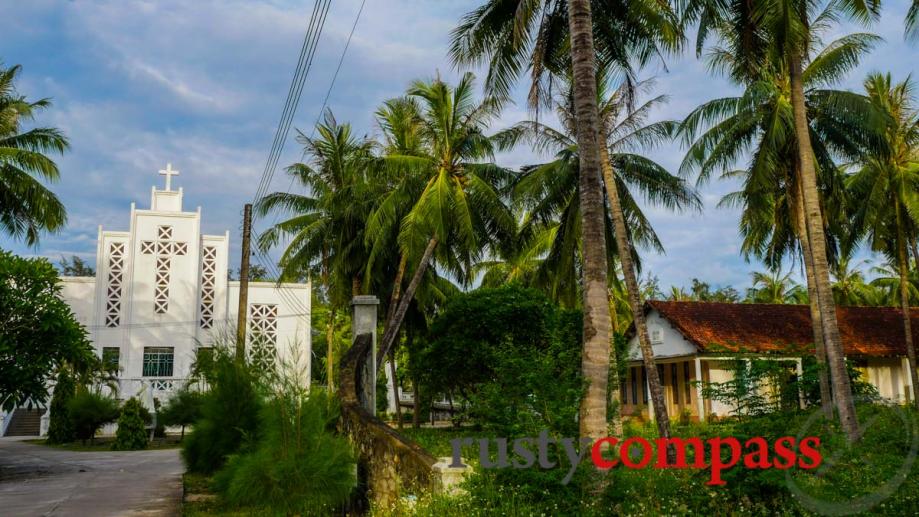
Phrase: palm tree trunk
(397, 286)
(624, 248)
(596, 347)
(330, 354)
(826, 397)
(904, 305)
(395, 322)
(395, 387)
(355, 285)
(839, 377)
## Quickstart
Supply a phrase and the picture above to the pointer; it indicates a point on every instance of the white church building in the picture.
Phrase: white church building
(162, 293)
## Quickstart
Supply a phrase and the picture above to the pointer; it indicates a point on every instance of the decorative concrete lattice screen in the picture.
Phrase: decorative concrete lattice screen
(263, 334)
(115, 283)
(208, 284)
(164, 248)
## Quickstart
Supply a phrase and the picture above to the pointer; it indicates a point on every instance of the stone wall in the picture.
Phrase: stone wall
(390, 465)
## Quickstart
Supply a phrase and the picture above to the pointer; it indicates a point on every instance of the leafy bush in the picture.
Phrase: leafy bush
(183, 409)
(131, 434)
(513, 355)
(60, 428)
(89, 411)
(229, 415)
(38, 330)
(299, 465)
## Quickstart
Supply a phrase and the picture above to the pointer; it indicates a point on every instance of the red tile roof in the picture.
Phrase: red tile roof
(768, 328)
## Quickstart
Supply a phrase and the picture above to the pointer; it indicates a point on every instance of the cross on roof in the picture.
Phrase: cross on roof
(169, 173)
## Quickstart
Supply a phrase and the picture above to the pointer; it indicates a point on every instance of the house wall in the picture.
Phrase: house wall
(887, 375)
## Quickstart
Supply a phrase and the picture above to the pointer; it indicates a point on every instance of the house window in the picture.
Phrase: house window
(111, 356)
(158, 361)
(657, 336)
(687, 382)
(676, 383)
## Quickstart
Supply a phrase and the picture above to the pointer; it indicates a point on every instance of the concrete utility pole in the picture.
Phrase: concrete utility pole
(243, 308)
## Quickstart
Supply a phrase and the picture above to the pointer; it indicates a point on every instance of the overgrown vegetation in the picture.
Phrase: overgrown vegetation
(285, 457)
(878, 475)
(229, 415)
(495, 349)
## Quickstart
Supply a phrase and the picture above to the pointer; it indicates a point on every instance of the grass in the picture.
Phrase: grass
(105, 444)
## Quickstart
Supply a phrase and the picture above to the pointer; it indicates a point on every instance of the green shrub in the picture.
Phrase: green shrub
(131, 434)
(299, 464)
(514, 355)
(89, 411)
(229, 416)
(60, 429)
(183, 409)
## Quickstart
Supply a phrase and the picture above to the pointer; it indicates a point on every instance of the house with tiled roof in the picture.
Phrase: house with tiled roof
(703, 340)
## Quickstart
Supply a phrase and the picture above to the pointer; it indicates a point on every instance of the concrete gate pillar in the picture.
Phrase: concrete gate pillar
(364, 321)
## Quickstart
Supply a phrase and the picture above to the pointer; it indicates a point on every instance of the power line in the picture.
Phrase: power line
(304, 64)
(310, 42)
(298, 71)
(265, 258)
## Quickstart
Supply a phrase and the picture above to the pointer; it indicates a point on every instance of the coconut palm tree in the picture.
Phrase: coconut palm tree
(461, 211)
(849, 285)
(759, 123)
(547, 192)
(784, 31)
(551, 38)
(885, 287)
(774, 287)
(27, 207)
(324, 228)
(887, 186)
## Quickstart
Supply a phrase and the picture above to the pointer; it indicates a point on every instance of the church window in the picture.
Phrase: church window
(115, 282)
(208, 286)
(163, 249)
(158, 361)
(111, 355)
(263, 334)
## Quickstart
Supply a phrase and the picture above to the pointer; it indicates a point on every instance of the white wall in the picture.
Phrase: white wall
(674, 344)
(294, 318)
(79, 292)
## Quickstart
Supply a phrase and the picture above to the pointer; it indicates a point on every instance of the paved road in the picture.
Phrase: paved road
(39, 480)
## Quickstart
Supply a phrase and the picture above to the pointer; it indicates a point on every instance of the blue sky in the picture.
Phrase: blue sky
(201, 84)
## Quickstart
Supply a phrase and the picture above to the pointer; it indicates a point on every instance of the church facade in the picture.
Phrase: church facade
(162, 293)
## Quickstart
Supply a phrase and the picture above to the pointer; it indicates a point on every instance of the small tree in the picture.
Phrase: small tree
(38, 331)
(183, 409)
(61, 428)
(131, 434)
(89, 411)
